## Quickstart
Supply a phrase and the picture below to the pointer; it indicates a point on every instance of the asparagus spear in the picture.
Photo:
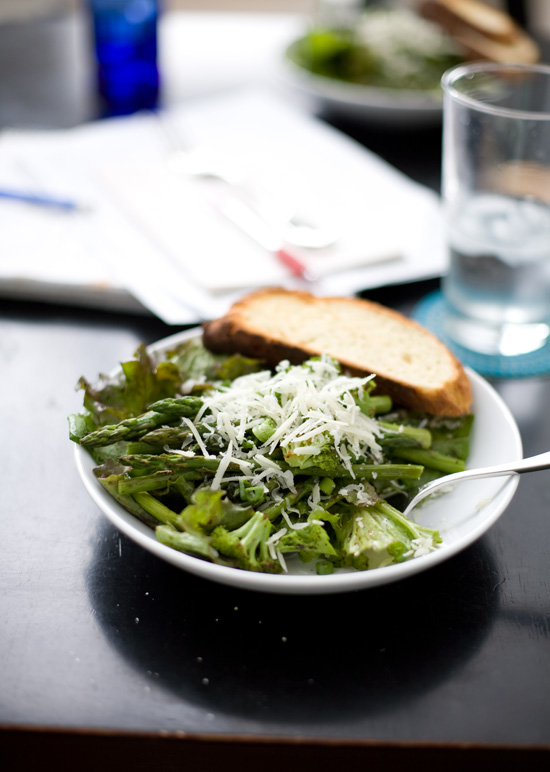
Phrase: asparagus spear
(430, 459)
(163, 412)
(365, 471)
(176, 462)
(402, 435)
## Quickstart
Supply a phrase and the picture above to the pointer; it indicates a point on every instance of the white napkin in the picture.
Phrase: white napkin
(185, 218)
(160, 236)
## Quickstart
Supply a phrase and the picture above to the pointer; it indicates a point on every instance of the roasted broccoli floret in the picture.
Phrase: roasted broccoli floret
(210, 509)
(318, 453)
(378, 535)
(309, 543)
(247, 545)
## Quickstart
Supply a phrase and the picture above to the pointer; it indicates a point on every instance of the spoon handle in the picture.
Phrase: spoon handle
(249, 221)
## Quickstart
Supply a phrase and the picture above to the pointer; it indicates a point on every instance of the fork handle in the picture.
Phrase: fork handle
(531, 464)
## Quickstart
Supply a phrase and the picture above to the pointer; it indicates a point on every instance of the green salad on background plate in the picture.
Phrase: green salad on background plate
(391, 61)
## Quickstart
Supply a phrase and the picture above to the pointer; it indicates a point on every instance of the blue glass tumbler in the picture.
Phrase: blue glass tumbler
(125, 45)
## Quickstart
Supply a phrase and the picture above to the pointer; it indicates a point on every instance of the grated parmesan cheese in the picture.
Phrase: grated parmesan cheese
(222, 468)
(311, 407)
(272, 541)
(197, 437)
(361, 494)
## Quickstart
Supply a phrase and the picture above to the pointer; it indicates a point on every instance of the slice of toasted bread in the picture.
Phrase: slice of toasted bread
(410, 364)
(484, 32)
(475, 15)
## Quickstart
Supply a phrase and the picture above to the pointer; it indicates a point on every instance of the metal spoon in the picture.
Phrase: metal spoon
(532, 464)
(209, 163)
(295, 228)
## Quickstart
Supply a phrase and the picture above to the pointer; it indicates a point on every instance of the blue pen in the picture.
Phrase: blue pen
(40, 200)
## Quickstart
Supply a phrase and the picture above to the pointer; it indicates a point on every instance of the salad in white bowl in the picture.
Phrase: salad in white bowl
(390, 49)
(246, 466)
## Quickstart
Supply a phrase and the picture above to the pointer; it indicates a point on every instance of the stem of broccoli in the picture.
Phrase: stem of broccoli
(185, 542)
(156, 508)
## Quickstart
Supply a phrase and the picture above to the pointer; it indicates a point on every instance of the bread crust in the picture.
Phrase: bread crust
(234, 332)
(484, 32)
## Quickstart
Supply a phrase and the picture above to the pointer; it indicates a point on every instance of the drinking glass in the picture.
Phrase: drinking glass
(496, 196)
(125, 45)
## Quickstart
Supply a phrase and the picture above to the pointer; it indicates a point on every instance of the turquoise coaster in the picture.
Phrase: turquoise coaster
(430, 312)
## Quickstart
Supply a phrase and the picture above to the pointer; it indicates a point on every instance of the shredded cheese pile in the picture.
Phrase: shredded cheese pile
(402, 40)
(309, 406)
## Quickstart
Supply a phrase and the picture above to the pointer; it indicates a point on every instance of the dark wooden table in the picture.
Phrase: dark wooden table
(113, 659)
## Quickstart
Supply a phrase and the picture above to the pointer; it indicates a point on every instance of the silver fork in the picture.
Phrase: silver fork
(532, 464)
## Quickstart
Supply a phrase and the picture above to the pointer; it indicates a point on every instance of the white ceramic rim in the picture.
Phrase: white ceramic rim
(293, 583)
(367, 97)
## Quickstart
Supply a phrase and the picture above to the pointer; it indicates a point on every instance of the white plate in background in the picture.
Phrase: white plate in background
(380, 106)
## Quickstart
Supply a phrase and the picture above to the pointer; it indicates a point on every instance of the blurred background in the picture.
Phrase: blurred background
(22, 8)
(44, 36)
(535, 12)
(206, 48)
(537, 9)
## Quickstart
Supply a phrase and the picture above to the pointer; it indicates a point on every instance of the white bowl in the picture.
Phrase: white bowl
(383, 106)
(461, 516)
